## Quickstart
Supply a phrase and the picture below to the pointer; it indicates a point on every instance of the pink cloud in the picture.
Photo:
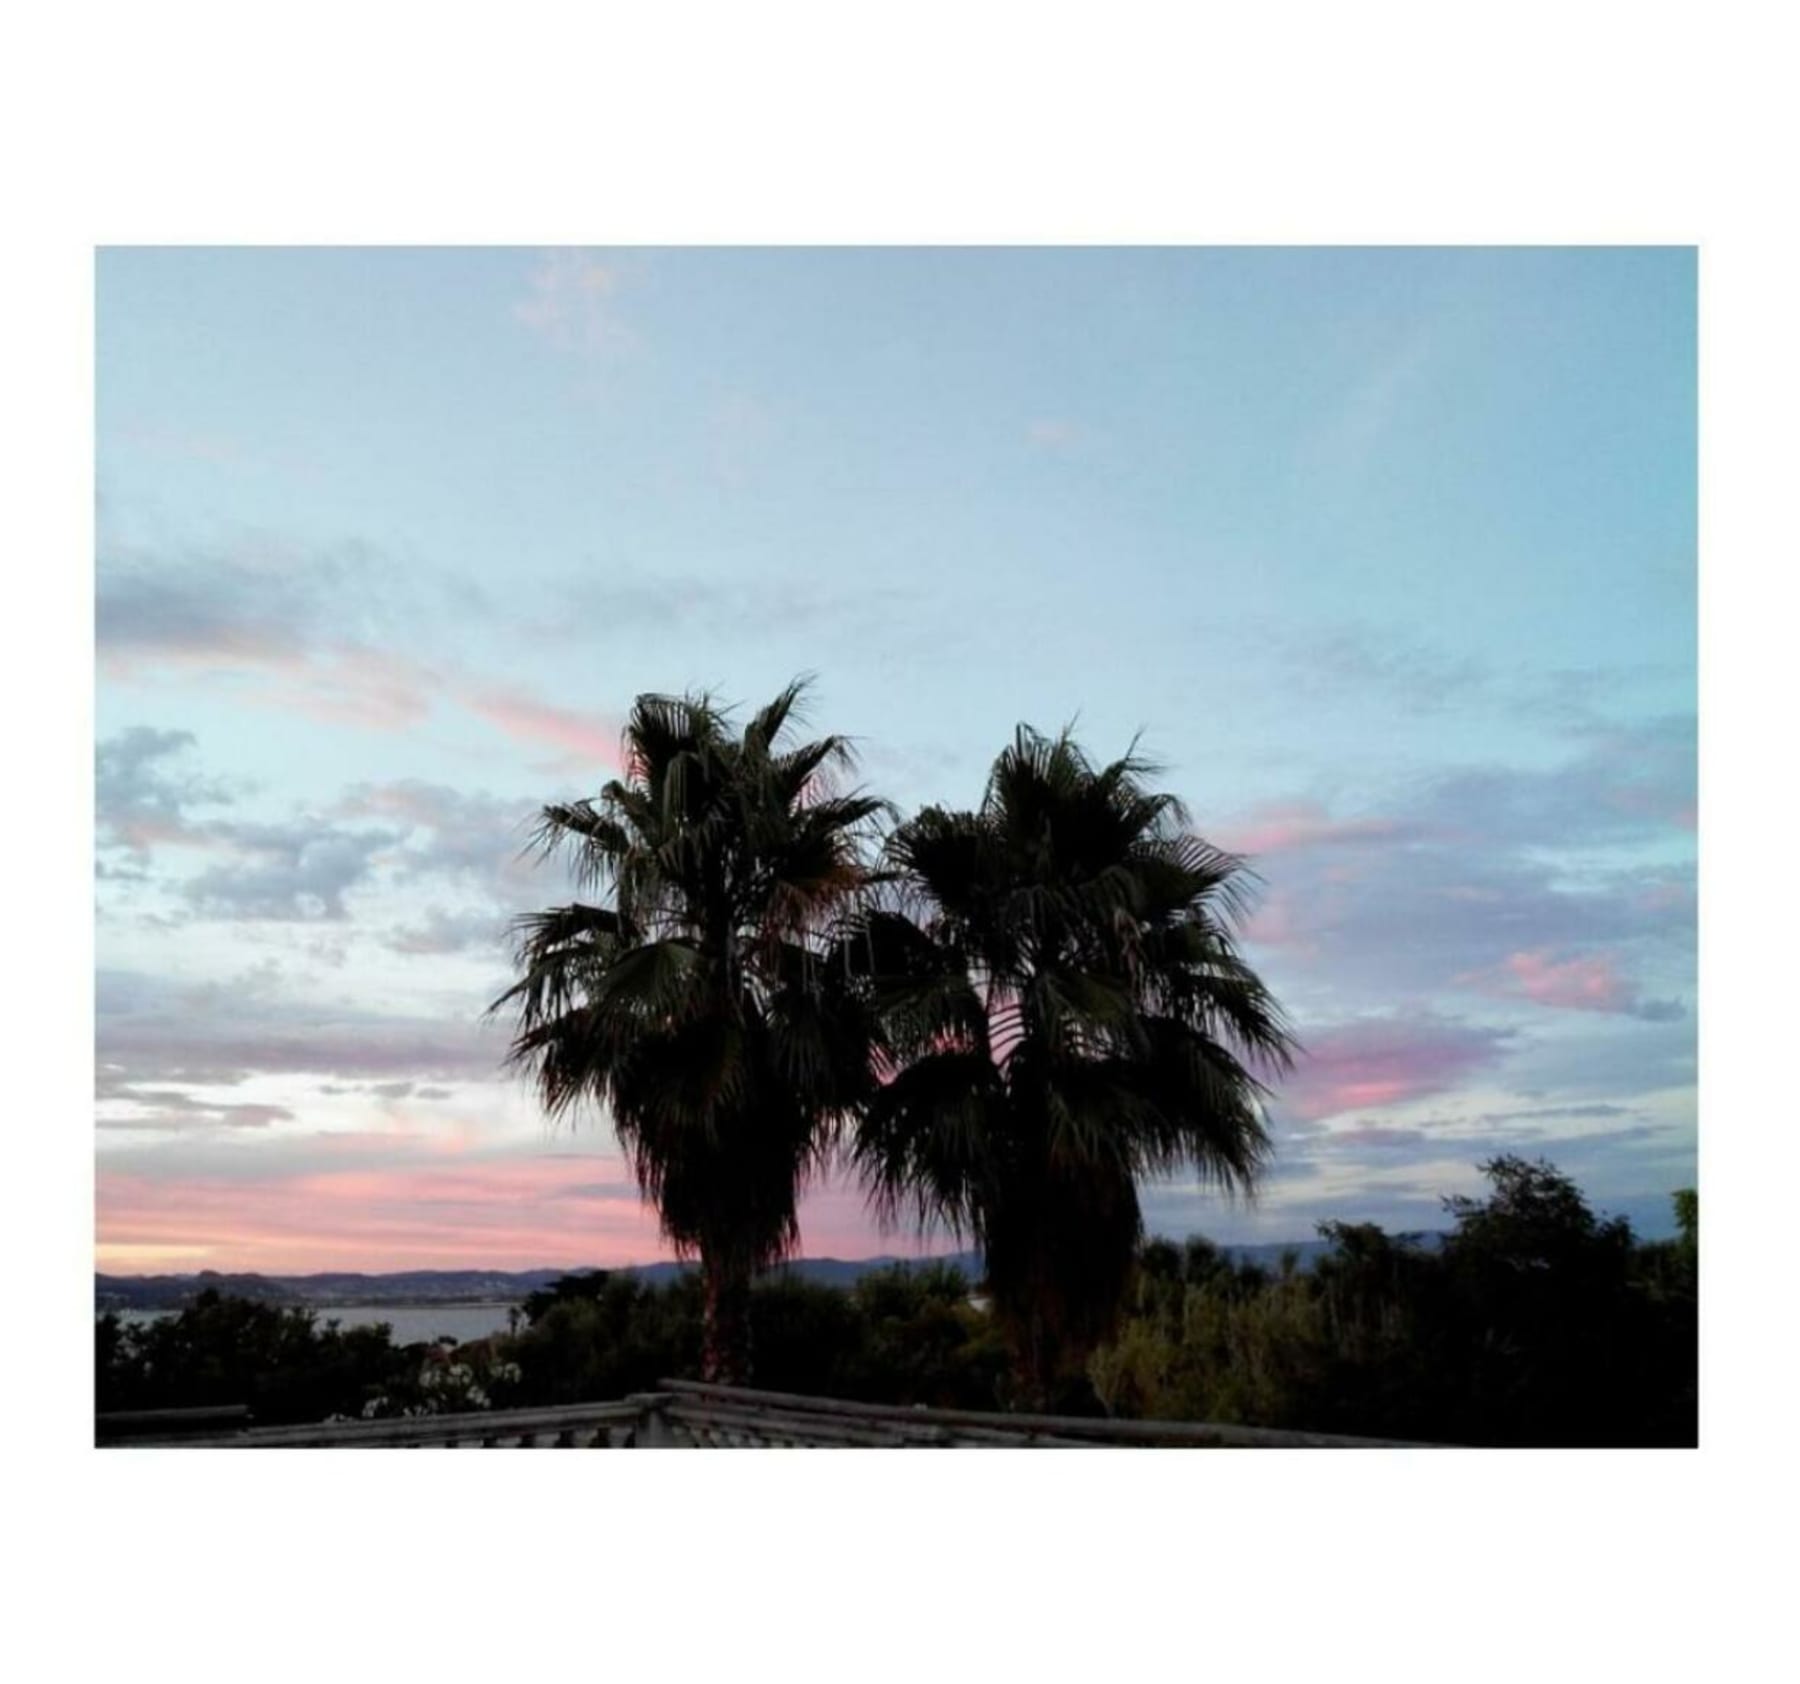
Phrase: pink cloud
(1279, 921)
(1283, 826)
(345, 684)
(585, 738)
(350, 684)
(1588, 983)
(1384, 1061)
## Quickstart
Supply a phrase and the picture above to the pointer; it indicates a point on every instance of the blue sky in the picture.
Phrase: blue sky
(1388, 554)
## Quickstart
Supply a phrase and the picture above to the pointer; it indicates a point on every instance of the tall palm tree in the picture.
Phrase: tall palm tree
(1065, 1012)
(692, 999)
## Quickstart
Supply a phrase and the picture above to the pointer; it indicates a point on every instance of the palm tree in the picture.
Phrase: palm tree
(693, 1000)
(1064, 1012)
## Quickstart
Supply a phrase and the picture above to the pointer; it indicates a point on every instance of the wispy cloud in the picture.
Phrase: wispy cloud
(583, 740)
(449, 932)
(1412, 675)
(1279, 827)
(163, 1109)
(324, 633)
(1375, 402)
(150, 1032)
(571, 300)
(1055, 433)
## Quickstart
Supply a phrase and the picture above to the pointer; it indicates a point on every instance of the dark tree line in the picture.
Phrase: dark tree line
(1533, 1322)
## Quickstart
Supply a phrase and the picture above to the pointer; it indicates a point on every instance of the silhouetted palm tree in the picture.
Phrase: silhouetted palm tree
(1065, 1011)
(695, 1003)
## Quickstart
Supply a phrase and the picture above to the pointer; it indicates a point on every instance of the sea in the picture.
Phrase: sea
(412, 1323)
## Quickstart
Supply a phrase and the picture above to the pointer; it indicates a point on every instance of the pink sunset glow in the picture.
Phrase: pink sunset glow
(546, 1210)
(526, 1213)
(1380, 1062)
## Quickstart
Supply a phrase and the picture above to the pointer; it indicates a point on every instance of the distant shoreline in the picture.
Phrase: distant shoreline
(425, 1289)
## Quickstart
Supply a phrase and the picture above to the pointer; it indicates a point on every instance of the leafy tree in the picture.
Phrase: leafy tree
(900, 1335)
(606, 1336)
(585, 1286)
(1064, 1011)
(1687, 1217)
(1539, 1319)
(692, 1000)
(228, 1350)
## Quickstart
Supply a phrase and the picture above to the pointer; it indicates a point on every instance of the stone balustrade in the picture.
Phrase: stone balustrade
(684, 1414)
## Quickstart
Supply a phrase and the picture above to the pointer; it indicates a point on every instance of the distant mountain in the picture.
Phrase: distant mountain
(451, 1286)
(419, 1286)
(430, 1286)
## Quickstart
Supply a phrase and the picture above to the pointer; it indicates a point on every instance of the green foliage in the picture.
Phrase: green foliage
(1687, 1217)
(223, 1350)
(604, 1336)
(900, 1335)
(1534, 1323)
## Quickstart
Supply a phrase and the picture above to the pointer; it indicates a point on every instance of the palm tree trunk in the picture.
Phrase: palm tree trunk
(725, 1323)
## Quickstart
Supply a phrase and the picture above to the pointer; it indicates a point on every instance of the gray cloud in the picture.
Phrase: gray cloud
(386, 1090)
(611, 602)
(255, 604)
(142, 790)
(299, 870)
(176, 1109)
(294, 869)
(148, 1032)
(261, 600)
(332, 631)
(1611, 1060)
(459, 834)
(1628, 784)
(1362, 660)
(444, 932)
(1484, 881)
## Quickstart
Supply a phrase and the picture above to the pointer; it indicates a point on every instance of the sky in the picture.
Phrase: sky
(1387, 557)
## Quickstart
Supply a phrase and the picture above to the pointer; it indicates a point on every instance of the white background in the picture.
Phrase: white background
(539, 123)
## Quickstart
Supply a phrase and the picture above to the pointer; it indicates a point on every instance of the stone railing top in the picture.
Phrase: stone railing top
(1062, 1429)
(687, 1413)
